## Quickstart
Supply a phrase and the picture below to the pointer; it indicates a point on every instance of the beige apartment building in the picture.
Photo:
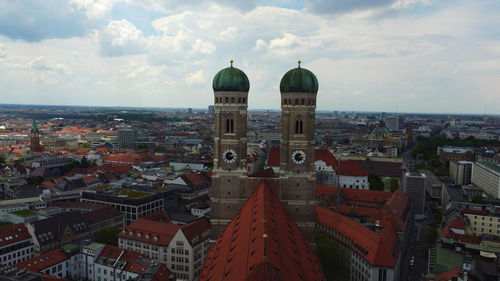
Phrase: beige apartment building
(487, 177)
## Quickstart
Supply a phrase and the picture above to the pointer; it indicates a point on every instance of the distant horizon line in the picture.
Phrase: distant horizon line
(255, 109)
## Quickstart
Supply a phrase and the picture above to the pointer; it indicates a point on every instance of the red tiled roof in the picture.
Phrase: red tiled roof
(13, 234)
(459, 223)
(101, 214)
(162, 273)
(447, 275)
(43, 261)
(380, 249)
(394, 211)
(160, 216)
(197, 179)
(476, 212)
(112, 252)
(351, 168)
(149, 229)
(261, 243)
(324, 155)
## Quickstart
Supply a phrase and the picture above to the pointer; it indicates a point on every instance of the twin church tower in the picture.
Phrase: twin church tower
(295, 185)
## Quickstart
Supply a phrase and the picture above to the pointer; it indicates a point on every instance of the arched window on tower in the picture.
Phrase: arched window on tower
(229, 124)
(299, 125)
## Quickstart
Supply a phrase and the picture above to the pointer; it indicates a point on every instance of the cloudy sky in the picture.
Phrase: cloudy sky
(373, 55)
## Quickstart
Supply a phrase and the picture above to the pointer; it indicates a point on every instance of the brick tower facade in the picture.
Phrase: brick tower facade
(298, 88)
(227, 193)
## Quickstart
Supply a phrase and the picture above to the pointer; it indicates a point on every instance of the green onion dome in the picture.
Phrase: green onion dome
(299, 80)
(231, 79)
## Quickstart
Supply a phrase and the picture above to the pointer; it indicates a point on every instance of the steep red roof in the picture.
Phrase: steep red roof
(459, 224)
(146, 230)
(261, 243)
(43, 261)
(273, 160)
(395, 211)
(13, 234)
(113, 253)
(198, 180)
(351, 168)
(379, 249)
(324, 155)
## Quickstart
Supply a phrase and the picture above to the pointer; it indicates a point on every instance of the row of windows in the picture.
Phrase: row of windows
(289, 101)
(232, 99)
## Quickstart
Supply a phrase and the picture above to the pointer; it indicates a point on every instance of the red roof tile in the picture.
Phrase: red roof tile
(147, 229)
(13, 234)
(379, 249)
(43, 261)
(351, 168)
(326, 156)
(101, 215)
(459, 224)
(261, 243)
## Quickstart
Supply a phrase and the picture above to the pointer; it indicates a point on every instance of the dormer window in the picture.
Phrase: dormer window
(147, 237)
(131, 234)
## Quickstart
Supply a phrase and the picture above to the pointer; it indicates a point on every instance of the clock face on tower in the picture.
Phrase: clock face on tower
(229, 156)
(298, 157)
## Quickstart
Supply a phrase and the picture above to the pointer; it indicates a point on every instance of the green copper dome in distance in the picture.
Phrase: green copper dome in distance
(231, 79)
(299, 80)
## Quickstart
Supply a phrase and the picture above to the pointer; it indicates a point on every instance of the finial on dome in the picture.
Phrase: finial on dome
(231, 61)
(299, 62)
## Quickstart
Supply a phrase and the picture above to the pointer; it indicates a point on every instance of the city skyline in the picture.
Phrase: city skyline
(379, 56)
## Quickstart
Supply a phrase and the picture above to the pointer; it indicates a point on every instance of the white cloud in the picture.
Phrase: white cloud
(94, 9)
(120, 38)
(367, 60)
(196, 77)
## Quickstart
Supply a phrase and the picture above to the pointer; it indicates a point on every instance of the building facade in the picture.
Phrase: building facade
(16, 244)
(487, 177)
(461, 171)
(228, 192)
(182, 248)
(414, 186)
(131, 208)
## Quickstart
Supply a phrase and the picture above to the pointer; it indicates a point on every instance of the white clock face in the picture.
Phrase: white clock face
(229, 156)
(298, 157)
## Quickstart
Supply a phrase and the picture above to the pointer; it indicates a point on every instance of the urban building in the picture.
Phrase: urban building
(262, 243)
(127, 137)
(132, 204)
(296, 183)
(16, 244)
(414, 186)
(483, 221)
(392, 122)
(461, 171)
(53, 263)
(368, 260)
(487, 177)
(433, 185)
(182, 248)
(447, 153)
(61, 229)
(35, 138)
